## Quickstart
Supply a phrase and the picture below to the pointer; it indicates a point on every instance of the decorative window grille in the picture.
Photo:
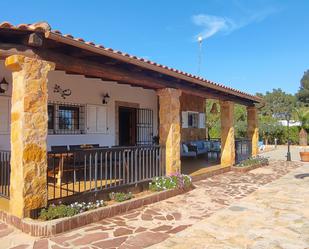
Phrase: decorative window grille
(64, 118)
(144, 126)
(51, 117)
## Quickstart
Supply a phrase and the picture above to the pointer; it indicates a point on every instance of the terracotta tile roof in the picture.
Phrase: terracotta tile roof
(46, 29)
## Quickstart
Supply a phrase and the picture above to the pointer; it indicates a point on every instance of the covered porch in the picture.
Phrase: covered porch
(63, 116)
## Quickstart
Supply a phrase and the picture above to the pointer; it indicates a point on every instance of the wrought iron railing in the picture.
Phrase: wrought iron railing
(5, 171)
(243, 149)
(90, 170)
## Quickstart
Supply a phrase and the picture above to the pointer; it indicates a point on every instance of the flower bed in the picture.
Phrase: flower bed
(175, 181)
(120, 197)
(250, 164)
(41, 228)
(60, 211)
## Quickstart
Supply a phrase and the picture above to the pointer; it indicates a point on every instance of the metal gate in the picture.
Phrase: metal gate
(144, 126)
(243, 149)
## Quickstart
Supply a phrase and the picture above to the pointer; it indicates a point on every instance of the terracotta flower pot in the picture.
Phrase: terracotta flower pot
(304, 156)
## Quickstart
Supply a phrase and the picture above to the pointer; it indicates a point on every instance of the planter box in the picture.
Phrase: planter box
(47, 228)
(304, 156)
(247, 168)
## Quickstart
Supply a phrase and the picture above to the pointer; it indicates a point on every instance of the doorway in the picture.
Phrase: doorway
(127, 126)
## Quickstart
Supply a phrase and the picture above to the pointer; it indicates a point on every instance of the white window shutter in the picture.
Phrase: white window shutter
(4, 115)
(101, 119)
(201, 120)
(91, 118)
(184, 118)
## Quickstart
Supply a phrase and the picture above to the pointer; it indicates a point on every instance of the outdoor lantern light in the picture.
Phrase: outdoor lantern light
(4, 86)
(214, 109)
(105, 99)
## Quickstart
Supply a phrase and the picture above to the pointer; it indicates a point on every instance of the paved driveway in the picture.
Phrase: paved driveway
(275, 216)
(281, 151)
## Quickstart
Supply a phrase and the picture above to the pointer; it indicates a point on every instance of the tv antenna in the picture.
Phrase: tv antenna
(200, 41)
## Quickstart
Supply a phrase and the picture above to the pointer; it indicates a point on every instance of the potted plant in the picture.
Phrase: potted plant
(303, 117)
(304, 156)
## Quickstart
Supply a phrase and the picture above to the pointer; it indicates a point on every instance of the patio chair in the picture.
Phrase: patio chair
(200, 147)
(59, 148)
(74, 147)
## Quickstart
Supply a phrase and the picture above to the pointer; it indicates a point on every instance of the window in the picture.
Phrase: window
(68, 118)
(193, 119)
(65, 119)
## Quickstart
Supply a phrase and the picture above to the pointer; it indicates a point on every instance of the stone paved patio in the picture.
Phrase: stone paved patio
(157, 222)
(273, 217)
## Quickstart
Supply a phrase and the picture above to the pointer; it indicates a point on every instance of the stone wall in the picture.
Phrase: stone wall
(196, 104)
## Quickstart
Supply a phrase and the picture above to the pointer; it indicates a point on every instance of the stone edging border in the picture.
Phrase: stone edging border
(247, 168)
(47, 228)
(211, 173)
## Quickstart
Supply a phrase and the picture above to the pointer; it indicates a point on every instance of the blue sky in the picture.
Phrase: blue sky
(253, 46)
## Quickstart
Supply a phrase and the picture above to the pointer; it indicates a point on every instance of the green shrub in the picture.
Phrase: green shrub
(254, 161)
(55, 212)
(170, 182)
(61, 210)
(120, 196)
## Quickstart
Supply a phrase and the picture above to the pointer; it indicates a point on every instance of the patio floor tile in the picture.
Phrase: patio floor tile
(154, 223)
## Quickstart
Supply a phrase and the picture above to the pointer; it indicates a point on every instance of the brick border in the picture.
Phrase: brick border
(247, 168)
(47, 228)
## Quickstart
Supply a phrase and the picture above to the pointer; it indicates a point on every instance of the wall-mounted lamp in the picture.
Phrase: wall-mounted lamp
(4, 85)
(105, 99)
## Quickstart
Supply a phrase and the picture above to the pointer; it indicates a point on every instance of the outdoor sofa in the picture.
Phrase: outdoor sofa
(200, 147)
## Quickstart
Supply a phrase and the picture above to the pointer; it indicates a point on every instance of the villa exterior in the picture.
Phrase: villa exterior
(80, 117)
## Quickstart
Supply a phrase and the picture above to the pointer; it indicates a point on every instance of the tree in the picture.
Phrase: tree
(277, 102)
(240, 121)
(303, 117)
(303, 93)
(213, 121)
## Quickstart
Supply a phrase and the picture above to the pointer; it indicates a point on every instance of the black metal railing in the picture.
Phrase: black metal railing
(5, 171)
(243, 150)
(89, 170)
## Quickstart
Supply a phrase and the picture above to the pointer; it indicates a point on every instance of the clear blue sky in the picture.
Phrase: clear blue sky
(250, 45)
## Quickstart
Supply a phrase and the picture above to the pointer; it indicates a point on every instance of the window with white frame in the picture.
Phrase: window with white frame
(66, 118)
(192, 119)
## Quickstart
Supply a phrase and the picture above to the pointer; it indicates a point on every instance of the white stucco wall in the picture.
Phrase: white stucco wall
(88, 91)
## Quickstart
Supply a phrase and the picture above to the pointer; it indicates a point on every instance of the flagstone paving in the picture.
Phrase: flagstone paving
(158, 222)
(273, 217)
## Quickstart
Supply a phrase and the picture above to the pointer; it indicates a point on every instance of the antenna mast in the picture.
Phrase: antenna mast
(200, 40)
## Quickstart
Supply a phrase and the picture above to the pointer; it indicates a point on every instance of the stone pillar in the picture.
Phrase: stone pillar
(28, 134)
(227, 133)
(170, 136)
(253, 129)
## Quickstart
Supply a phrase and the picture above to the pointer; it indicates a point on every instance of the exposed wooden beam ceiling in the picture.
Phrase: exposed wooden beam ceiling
(122, 73)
